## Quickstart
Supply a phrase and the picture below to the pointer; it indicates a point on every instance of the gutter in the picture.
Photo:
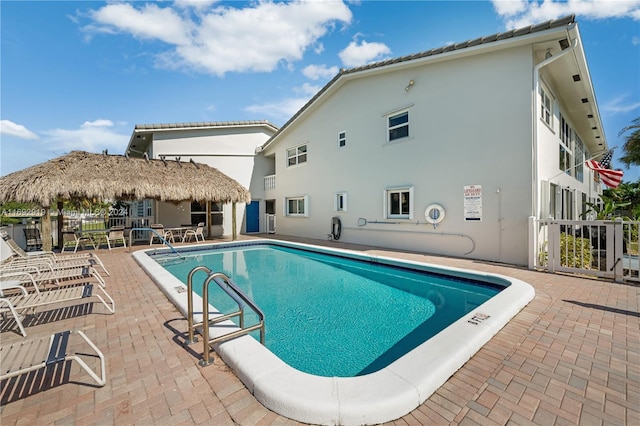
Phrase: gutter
(535, 207)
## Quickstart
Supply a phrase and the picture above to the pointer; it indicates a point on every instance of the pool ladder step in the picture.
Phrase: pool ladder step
(232, 290)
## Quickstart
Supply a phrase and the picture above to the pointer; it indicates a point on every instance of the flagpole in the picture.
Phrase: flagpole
(576, 165)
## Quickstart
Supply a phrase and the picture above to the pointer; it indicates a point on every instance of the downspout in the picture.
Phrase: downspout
(536, 86)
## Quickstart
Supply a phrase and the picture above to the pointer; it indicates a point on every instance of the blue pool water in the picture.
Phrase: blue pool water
(331, 315)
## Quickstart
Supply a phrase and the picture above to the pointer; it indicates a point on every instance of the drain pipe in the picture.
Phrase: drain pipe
(536, 86)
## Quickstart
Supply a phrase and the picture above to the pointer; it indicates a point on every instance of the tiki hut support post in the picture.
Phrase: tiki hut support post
(46, 229)
(234, 232)
(60, 223)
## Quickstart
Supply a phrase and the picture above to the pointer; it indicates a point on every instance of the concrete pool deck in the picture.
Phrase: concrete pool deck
(572, 356)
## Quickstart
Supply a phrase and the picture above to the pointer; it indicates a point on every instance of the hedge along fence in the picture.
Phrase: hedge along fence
(575, 252)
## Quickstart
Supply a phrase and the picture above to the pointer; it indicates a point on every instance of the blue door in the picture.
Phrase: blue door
(252, 216)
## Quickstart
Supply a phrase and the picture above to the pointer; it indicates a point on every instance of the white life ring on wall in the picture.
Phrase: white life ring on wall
(434, 214)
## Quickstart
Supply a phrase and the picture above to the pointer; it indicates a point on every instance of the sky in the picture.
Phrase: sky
(79, 75)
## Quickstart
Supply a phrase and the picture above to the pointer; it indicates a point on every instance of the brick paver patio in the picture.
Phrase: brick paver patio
(572, 356)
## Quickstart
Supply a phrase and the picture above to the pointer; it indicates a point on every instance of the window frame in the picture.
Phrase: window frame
(296, 154)
(388, 202)
(342, 139)
(392, 128)
(566, 146)
(342, 195)
(546, 112)
(299, 198)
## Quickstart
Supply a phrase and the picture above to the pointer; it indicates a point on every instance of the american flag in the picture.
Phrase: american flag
(611, 178)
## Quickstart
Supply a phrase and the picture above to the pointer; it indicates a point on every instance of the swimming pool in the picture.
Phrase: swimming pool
(382, 393)
(369, 315)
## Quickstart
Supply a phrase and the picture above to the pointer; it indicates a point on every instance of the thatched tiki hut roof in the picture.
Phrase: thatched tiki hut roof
(84, 175)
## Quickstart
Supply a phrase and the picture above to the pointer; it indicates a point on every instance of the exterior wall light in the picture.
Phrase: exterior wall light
(410, 85)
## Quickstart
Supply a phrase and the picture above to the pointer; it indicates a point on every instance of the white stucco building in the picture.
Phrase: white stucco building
(448, 151)
(228, 146)
(493, 130)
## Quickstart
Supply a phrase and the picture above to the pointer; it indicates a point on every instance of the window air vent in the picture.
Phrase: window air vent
(594, 128)
(576, 77)
(585, 100)
(564, 43)
(589, 115)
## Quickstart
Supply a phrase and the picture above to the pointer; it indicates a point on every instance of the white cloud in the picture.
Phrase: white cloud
(18, 130)
(281, 110)
(509, 7)
(360, 54)
(92, 136)
(221, 39)
(521, 13)
(308, 89)
(317, 72)
(620, 105)
(150, 22)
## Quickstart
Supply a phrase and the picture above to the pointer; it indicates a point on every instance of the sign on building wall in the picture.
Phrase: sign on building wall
(473, 203)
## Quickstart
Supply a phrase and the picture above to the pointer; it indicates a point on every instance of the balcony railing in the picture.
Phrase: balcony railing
(269, 182)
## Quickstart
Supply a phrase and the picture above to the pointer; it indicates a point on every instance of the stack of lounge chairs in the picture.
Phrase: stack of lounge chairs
(35, 280)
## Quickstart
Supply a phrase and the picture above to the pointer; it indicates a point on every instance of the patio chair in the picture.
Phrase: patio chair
(71, 239)
(195, 233)
(31, 355)
(34, 240)
(159, 228)
(25, 301)
(62, 260)
(116, 233)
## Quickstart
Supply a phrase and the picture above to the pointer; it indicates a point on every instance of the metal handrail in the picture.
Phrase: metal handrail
(161, 237)
(232, 290)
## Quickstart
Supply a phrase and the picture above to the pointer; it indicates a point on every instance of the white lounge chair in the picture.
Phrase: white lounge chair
(26, 301)
(17, 254)
(56, 277)
(30, 355)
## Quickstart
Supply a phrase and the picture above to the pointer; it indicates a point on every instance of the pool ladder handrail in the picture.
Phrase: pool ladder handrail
(229, 287)
(161, 237)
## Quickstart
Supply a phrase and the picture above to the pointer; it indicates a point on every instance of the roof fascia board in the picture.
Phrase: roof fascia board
(137, 130)
(583, 67)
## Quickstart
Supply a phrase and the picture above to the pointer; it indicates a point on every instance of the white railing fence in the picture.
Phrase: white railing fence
(601, 248)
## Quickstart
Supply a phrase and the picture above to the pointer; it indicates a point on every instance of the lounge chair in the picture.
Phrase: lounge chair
(30, 355)
(61, 261)
(195, 233)
(26, 301)
(58, 277)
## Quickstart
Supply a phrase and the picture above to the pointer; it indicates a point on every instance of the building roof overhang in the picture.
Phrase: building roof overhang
(142, 135)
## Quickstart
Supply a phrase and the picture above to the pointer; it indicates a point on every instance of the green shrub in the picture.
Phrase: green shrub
(575, 252)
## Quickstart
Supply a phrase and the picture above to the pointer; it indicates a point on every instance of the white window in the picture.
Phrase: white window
(342, 139)
(296, 206)
(546, 107)
(398, 203)
(579, 159)
(340, 202)
(398, 126)
(567, 137)
(297, 155)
